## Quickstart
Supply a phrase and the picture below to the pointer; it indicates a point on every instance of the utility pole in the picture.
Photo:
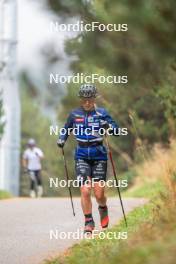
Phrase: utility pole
(10, 143)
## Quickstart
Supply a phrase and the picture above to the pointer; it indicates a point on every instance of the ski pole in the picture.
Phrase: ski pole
(115, 176)
(66, 173)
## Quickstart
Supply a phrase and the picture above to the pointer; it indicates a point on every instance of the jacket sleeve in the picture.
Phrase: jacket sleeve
(68, 127)
(111, 122)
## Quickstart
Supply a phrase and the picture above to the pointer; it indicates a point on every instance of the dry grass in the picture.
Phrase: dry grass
(152, 228)
(160, 167)
(154, 242)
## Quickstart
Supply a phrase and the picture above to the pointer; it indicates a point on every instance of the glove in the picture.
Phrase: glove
(60, 143)
(104, 124)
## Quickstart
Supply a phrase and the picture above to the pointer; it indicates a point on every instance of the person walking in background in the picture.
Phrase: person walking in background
(31, 162)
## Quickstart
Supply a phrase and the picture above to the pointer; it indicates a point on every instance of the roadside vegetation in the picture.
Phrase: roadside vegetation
(4, 194)
(151, 228)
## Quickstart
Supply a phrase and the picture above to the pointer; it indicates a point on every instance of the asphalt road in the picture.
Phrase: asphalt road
(26, 225)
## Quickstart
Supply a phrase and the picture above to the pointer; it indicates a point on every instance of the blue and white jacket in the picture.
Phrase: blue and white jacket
(87, 122)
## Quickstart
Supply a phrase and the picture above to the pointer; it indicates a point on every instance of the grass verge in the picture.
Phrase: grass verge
(151, 239)
(97, 250)
(4, 195)
(151, 228)
(147, 190)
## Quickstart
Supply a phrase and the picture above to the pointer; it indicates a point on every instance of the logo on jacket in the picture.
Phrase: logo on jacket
(79, 119)
(90, 119)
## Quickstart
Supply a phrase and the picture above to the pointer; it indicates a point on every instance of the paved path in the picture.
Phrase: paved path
(25, 226)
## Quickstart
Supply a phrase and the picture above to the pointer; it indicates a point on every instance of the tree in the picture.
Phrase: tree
(146, 53)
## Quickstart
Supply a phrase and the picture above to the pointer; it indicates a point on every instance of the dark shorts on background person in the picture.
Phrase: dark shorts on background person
(95, 169)
(35, 176)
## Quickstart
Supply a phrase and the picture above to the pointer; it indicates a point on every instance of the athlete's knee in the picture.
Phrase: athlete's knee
(99, 196)
(85, 191)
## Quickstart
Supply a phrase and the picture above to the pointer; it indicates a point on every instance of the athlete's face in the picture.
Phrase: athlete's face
(31, 146)
(88, 103)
